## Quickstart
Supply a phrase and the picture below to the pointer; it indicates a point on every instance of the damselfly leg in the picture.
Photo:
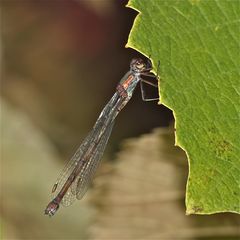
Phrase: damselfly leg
(153, 82)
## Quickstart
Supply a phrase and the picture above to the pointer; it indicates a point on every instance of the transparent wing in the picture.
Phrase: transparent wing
(69, 197)
(89, 168)
(78, 162)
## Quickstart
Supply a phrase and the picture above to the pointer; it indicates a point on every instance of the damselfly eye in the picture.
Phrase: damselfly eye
(140, 65)
(137, 65)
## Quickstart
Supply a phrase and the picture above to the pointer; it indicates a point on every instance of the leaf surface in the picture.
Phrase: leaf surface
(198, 45)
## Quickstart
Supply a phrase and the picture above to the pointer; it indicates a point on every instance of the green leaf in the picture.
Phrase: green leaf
(198, 45)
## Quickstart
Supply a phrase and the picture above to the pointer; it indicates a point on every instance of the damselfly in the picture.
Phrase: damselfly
(75, 178)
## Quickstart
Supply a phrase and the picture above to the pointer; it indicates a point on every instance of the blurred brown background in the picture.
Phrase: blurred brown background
(61, 61)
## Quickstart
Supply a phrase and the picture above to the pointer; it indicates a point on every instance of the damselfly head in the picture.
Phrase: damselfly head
(138, 65)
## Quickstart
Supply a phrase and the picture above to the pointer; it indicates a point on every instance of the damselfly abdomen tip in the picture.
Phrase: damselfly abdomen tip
(51, 208)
